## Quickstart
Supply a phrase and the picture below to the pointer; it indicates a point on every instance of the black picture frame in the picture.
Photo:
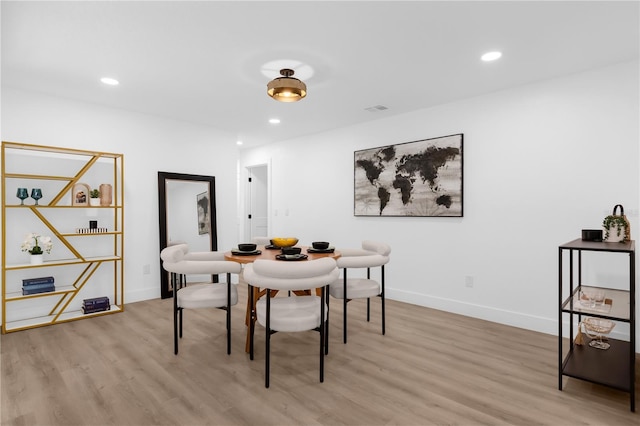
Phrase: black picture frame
(421, 178)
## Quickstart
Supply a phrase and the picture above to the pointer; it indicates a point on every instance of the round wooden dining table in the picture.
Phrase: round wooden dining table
(270, 254)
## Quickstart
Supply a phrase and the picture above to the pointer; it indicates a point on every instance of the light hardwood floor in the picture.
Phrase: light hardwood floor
(432, 367)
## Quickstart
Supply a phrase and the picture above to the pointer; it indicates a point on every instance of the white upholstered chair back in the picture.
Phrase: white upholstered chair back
(295, 313)
(372, 254)
(261, 241)
(180, 262)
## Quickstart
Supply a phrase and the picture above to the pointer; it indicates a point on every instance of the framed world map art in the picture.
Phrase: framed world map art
(421, 178)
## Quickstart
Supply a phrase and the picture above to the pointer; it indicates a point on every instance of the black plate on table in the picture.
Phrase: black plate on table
(246, 253)
(271, 247)
(291, 257)
(327, 250)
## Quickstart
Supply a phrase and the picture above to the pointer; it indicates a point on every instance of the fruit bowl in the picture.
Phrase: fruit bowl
(284, 242)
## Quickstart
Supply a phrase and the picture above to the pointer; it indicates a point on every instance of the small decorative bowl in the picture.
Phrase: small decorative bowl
(284, 242)
(247, 247)
(291, 250)
(598, 326)
(320, 245)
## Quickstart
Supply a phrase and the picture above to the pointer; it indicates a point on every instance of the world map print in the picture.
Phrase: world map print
(421, 178)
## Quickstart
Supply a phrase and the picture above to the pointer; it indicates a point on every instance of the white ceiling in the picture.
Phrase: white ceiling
(201, 61)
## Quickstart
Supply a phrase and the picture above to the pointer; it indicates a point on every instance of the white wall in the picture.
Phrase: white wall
(541, 162)
(149, 144)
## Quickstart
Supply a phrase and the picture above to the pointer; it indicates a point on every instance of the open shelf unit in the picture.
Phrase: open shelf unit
(613, 367)
(85, 265)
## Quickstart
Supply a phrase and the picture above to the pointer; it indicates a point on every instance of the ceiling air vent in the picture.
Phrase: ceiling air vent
(376, 108)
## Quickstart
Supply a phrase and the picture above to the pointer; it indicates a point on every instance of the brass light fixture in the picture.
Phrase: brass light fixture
(286, 88)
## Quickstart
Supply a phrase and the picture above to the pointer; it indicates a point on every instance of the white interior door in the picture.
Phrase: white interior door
(257, 208)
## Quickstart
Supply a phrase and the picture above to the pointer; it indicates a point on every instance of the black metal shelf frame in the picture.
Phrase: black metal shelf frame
(614, 367)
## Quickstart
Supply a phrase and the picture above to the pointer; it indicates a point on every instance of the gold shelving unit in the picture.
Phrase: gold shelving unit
(85, 264)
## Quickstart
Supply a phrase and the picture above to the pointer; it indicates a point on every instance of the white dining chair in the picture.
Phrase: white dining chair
(296, 313)
(261, 241)
(372, 254)
(179, 262)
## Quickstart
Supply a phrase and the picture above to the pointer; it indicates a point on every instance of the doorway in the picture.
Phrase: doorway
(257, 209)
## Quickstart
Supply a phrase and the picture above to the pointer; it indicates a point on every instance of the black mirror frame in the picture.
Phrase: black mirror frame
(165, 286)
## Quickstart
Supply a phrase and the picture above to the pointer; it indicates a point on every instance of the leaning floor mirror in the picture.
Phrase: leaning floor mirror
(187, 213)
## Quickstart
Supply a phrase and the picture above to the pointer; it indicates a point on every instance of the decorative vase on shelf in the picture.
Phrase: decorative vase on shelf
(36, 259)
(95, 202)
(105, 194)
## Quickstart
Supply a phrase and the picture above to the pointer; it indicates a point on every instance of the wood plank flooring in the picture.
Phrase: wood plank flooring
(431, 368)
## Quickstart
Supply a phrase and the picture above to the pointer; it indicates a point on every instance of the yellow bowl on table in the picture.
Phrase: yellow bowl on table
(284, 242)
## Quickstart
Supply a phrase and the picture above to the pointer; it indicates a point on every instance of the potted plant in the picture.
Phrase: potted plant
(95, 197)
(614, 229)
(36, 245)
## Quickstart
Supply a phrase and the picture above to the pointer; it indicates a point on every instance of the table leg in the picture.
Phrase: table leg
(251, 315)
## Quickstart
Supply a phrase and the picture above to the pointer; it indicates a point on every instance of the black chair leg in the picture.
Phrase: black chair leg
(228, 314)
(382, 296)
(267, 340)
(344, 307)
(326, 331)
(322, 333)
(368, 298)
(175, 314)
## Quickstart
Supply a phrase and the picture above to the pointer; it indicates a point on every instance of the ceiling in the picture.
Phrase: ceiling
(202, 62)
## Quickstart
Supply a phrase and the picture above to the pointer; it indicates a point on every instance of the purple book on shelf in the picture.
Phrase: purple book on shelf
(97, 305)
(96, 301)
(93, 310)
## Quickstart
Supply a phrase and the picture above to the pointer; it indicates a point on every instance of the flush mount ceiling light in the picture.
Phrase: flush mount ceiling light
(286, 88)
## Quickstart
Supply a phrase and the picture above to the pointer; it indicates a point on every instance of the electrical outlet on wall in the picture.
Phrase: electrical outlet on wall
(468, 281)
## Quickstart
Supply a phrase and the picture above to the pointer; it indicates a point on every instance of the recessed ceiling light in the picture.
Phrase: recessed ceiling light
(239, 143)
(110, 81)
(491, 56)
(274, 120)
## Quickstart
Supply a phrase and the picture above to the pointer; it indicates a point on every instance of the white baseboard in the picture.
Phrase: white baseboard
(488, 313)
